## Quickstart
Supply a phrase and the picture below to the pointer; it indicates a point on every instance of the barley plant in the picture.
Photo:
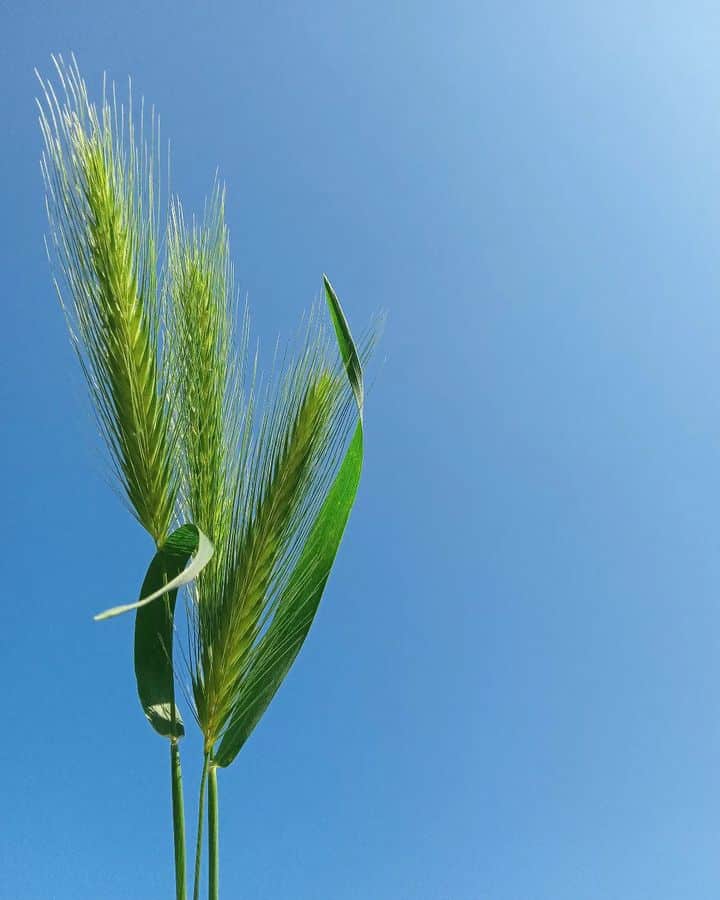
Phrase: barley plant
(244, 482)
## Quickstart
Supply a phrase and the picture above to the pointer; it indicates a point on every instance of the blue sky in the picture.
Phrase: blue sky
(512, 690)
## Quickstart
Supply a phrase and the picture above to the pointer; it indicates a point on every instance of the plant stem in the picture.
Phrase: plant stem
(201, 819)
(213, 835)
(178, 820)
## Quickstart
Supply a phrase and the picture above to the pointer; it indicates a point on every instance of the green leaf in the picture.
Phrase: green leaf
(154, 626)
(296, 610)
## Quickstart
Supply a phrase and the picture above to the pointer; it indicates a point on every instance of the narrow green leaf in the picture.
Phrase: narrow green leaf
(154, 626)
(286, 633)
(176, 544)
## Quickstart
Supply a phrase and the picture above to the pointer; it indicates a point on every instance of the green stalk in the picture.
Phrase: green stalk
(201, 817)
(178, 820)
(213, 835)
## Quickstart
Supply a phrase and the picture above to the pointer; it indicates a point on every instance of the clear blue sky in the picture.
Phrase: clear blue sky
(512, 690)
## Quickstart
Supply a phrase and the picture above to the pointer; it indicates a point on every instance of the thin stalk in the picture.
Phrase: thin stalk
(213, 835)
(178, 810)
(201, 819)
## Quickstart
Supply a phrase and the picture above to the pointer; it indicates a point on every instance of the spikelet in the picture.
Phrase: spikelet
(100, 193)
(199, 295)
(266, 523)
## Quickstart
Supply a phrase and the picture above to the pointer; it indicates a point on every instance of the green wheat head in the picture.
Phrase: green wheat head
(202, 363)
(100, 190)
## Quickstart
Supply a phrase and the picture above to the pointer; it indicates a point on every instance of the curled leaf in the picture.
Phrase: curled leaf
(187, 539)
(154, 626)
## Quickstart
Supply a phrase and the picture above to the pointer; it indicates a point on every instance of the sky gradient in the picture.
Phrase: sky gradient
(512, 688)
